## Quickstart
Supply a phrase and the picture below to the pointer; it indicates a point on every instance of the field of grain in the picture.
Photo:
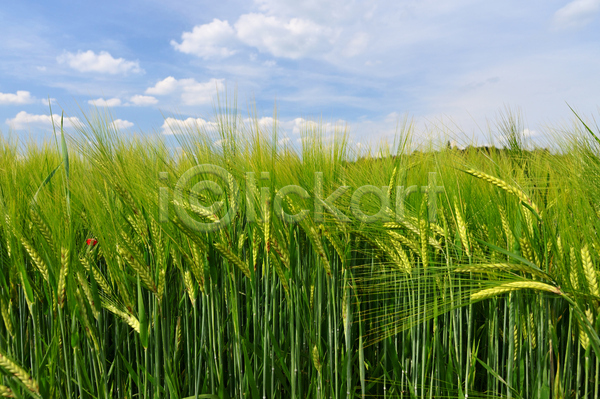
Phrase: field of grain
(430, 273)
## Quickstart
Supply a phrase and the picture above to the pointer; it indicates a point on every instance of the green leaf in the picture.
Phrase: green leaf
(143, 317)
(590, 131)
(512, 255)
(497, 376)
(63, 143)
(249, 375)
(46, 181)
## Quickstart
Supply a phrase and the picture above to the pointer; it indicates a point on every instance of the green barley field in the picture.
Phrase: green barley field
(413, 270)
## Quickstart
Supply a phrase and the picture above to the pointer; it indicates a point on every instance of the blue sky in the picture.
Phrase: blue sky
(454, 65)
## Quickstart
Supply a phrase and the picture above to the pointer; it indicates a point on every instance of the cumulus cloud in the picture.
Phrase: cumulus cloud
(299, 126)
(20, 97)
(165, 86)
(293, 38)
(101, 102)
(210, 40)
(576, 14)
(266, 122)
(120, 124)
(24, 121)
(176, 126)
(286, 32)
(141, 100)
(191, 91)
(102, 62)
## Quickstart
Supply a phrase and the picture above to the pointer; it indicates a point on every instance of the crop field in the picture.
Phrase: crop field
(239, 266)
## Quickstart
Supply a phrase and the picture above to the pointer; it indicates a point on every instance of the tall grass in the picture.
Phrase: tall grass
(106, 292)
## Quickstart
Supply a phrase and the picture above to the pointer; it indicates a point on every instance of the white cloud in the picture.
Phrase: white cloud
(272, 33)
(301, 126)
(20, 97)
(175, 126)
(530, 133)
(141, 100)
(290, 38)
(208, 41)
(191, 91)
(102, 62)
(165, 86)
(120, 124)
(576, 14)
(266, 122)
(24, 121)
(101, 102)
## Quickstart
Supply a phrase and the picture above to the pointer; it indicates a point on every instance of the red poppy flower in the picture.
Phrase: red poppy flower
(92, 241)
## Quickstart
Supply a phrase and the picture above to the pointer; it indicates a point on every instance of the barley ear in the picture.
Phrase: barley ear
(510, 238)
(6, 317)
(197, 265)
(424, 233)
(267, 223)
(318, 247)
(160, 257)
(284, 257)
(584, 339)
(128, 318)
(404, 261)
(138, 267)
(88, 293)
(19, 373)
(43, 228)
(315, 359)
(590, 272)
(95, 273)
(405, 241)
(462, 229)
(504, 186)
(573, 269)
(6, 392)
(514, 286)
(62, 278)
(255, 247)
(392, 182)
(233, 258)
(37, 259)
(276, 264)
